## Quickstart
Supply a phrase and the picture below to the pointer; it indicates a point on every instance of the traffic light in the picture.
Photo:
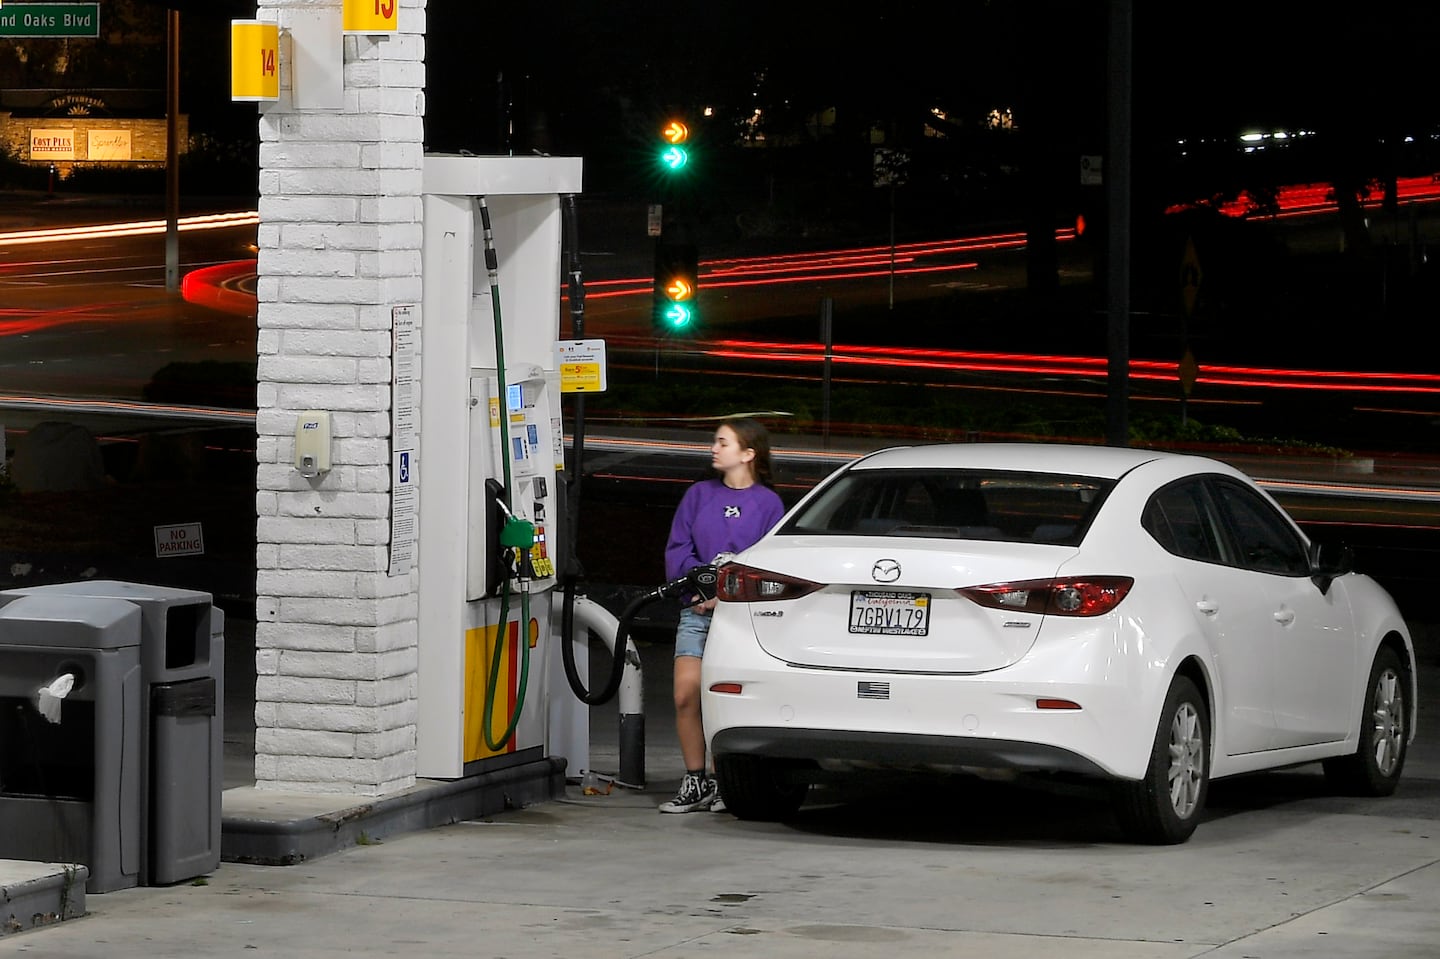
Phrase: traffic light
(677, 287)
(674, 154)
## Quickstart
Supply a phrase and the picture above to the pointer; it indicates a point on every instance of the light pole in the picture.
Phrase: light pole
(172, 151)
(1117, 179)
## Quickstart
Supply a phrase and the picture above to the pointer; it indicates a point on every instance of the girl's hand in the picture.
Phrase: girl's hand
(704, 607)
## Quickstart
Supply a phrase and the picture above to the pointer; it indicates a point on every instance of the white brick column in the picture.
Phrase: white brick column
(340, 236)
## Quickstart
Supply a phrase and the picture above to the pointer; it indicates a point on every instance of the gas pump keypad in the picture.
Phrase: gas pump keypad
(539, 556)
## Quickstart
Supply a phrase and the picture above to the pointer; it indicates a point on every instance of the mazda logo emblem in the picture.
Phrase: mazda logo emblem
(885, 571)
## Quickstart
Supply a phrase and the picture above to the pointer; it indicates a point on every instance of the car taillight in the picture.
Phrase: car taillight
(745, 584)
(1080, 596)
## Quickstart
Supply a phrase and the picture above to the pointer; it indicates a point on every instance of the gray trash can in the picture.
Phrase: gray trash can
(71, 791)
(182, 681)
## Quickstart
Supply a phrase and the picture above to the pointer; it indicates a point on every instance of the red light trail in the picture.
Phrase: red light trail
(1302, 199)
(844, 264)
(973, 361)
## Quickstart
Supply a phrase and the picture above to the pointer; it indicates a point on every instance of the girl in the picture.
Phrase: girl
(722, 515)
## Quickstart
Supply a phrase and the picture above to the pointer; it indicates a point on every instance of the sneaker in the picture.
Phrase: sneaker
(696, 792)
(718, 804)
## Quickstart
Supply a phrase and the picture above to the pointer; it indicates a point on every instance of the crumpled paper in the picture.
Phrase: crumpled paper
(49, 697)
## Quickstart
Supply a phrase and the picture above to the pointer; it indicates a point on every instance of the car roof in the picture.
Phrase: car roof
(1107, 462)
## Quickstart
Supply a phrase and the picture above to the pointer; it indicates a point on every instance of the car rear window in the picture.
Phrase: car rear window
(954, 504)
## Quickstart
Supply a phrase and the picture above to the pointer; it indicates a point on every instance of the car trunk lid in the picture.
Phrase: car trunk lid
(892, 606)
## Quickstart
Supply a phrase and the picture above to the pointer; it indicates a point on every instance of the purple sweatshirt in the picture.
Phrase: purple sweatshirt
(712, 518)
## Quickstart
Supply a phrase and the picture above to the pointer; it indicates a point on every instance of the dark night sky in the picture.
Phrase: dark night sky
(570, 71)
(1206, 64)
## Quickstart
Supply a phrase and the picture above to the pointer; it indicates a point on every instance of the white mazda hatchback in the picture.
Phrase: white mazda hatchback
(1151, 620)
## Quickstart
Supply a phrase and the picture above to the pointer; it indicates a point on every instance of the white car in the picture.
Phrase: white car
(1149, 619)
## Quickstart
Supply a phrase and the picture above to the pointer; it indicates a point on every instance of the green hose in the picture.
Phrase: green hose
(492, 268)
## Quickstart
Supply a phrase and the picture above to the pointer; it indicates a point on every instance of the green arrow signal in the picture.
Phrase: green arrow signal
(674, 158)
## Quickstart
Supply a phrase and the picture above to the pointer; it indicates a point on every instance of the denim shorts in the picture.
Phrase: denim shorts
(690, 634)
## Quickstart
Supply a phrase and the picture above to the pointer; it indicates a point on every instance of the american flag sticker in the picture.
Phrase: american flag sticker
(869, 690)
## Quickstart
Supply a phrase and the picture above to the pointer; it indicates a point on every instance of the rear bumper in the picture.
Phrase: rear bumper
(884, 750)
(991, 720)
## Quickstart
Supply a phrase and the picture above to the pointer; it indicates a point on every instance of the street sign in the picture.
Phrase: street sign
(890, 167)
(179, 539)
(51, 20)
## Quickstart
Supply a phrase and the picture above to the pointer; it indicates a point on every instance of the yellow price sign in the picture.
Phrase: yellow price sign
(580, 378)
(581, 364)
(370, 16)
(254, 60)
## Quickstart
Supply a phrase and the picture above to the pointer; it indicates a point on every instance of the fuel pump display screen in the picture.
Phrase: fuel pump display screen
(514, 397)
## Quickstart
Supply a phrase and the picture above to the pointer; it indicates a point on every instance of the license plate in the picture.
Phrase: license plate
(889, 614)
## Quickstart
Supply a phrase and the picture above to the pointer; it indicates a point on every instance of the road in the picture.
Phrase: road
(89, 316)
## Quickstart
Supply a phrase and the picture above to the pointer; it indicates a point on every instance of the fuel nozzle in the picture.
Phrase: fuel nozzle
(704, 580)
(701, 581)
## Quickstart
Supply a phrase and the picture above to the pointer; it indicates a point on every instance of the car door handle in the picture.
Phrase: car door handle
(1284, 616)
(1207, 606)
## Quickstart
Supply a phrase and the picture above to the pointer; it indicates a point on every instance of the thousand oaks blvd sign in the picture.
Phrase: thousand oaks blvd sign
(50, 20)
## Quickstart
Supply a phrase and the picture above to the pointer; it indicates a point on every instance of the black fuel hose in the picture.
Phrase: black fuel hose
(700, 581)
(571, 572)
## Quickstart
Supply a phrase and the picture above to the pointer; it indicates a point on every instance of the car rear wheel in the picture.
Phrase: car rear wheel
(1165, 806)
(1374, 768)
(755, 787)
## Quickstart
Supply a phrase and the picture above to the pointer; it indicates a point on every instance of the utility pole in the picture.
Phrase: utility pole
(172, 150)
(1117, 190)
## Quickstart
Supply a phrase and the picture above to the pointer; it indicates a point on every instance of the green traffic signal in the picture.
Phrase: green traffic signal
(677, 282)
(678, 315)
(679, 291)
(674, 156)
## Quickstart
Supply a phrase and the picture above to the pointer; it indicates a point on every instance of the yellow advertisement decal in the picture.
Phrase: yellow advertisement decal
(479, 655)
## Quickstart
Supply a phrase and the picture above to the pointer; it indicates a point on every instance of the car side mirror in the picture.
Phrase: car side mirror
(1328, 562)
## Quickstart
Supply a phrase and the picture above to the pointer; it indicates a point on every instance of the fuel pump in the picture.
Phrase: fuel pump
(489, 460)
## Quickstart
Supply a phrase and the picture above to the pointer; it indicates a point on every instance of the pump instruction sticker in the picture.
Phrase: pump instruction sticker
(403, 487)
(582, 366)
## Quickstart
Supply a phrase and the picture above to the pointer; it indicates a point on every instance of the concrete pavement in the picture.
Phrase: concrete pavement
(1280, 869)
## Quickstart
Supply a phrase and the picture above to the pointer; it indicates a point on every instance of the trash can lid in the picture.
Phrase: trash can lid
(117, 589)
(78, 622)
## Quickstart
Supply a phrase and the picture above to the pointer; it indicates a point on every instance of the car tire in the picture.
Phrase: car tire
(1165, 806)
(1374, 768)
(758, 788)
